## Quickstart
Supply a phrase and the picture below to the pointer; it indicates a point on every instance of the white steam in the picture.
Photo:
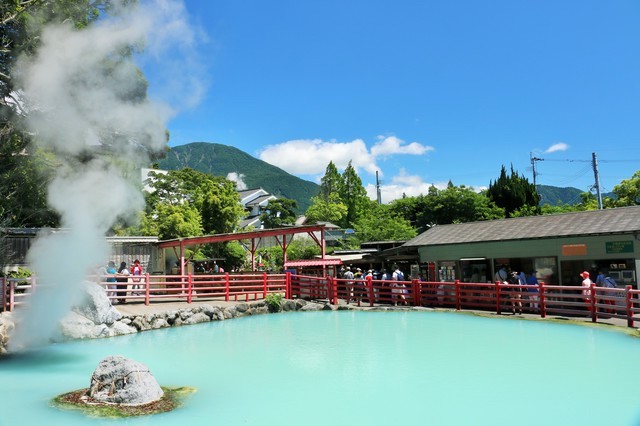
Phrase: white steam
(238, 178)
(87, 107)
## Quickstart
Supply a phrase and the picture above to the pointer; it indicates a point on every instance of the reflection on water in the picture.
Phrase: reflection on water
(374, 368)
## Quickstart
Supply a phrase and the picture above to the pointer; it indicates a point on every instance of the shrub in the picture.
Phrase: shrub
(274, 302)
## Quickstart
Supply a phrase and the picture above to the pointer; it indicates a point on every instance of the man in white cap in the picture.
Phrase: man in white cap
(586, 285)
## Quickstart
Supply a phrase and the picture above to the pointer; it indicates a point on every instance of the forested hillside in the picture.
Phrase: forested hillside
(220, 160)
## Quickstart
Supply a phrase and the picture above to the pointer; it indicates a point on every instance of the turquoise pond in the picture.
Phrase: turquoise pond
(346, 367)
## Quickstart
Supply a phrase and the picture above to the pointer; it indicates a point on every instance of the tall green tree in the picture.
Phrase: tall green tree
(331, 182)
(213, 198)
(513, 193)
(281, 211)
(627, 192)
(332, 210)
(380, 223)
(353, 195)
(24, 170)
(172, 221)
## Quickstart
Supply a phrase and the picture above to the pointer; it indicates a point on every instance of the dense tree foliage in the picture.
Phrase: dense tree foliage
(24, 170)
(210, 201)
(627, 192)
(281, 211)
(381, 223)
(331, 210)
(450, 205)
(513, 193)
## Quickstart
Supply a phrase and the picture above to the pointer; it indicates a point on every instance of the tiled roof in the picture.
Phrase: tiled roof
(261, 199)
(592, 222)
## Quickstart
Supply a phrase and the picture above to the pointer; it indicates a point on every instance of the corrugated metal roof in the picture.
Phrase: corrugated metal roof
(592, 222)
(313, 262)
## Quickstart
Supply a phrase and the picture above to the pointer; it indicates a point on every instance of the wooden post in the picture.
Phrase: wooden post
(592, 303)
(542, 300)
(189, 288)
(147, 295)
(628, 298)
(457, 284)
(498, 304)
(417, 292)
(264, 285)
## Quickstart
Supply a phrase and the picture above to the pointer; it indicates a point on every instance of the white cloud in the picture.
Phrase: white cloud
(391, 145)
(311, 156)
(560, 146)
(402, 184)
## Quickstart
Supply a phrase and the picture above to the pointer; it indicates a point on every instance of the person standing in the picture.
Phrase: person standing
(502, 275)
(111, 278)
(136, 272)
(122, 278)
(533, 290)
(586, 287)
(348, 275)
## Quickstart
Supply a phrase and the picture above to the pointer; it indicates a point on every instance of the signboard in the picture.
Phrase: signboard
(613, 247)
(574, 249)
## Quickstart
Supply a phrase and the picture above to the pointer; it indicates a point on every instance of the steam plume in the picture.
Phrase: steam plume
(87, 105)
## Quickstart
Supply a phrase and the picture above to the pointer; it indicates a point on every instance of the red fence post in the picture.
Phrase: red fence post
(330, 291)
(543, 307)
(264, 285)
(592, 303)
(12, 295)
(147, 290)
(457, 284)
(226, 287)
(629, 300)
(287, 285)
(4, 293)
(417, 293)
(189, 288)
(498, 306)
(369, 283)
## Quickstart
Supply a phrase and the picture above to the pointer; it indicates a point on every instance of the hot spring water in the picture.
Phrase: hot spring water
(373, 368)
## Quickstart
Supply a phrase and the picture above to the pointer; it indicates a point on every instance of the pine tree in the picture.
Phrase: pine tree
(514, 193)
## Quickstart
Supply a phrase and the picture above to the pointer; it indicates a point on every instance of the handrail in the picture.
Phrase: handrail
(543, 299)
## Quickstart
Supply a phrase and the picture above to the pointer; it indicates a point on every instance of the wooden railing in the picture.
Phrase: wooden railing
(542, 300)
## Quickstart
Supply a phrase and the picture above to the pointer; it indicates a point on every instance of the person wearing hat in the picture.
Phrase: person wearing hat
(586, 285)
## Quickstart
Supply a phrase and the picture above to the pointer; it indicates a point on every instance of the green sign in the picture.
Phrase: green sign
(619, 247)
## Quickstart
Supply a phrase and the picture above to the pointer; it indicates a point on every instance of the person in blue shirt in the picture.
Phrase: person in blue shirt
(532, 290)
(111, 279)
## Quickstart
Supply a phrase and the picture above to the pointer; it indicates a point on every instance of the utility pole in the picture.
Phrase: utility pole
(594, 162)
(533, 167)
(378, 193)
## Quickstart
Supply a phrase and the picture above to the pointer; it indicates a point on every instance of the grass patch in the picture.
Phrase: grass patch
(76, 400)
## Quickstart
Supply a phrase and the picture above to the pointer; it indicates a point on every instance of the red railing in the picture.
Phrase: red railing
(543, 300)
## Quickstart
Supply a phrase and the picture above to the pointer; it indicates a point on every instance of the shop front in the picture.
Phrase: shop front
(556, 248)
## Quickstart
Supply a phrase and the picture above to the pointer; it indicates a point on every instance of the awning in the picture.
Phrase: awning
(312, 262)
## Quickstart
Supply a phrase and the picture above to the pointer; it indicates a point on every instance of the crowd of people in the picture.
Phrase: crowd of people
(119, 279)
(395, 289)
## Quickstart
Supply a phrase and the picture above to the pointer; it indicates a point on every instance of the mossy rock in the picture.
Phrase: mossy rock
(173, 398)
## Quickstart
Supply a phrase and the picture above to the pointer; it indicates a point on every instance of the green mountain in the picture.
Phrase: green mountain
(553, 195)
(220, 160)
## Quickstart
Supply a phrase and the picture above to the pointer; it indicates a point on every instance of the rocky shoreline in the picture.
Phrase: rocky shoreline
(87, 325)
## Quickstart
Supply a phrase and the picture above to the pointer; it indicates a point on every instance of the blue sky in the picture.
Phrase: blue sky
(422, 91)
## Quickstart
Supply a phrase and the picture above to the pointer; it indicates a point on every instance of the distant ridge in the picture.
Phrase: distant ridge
(220, 160)
(553, 195)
